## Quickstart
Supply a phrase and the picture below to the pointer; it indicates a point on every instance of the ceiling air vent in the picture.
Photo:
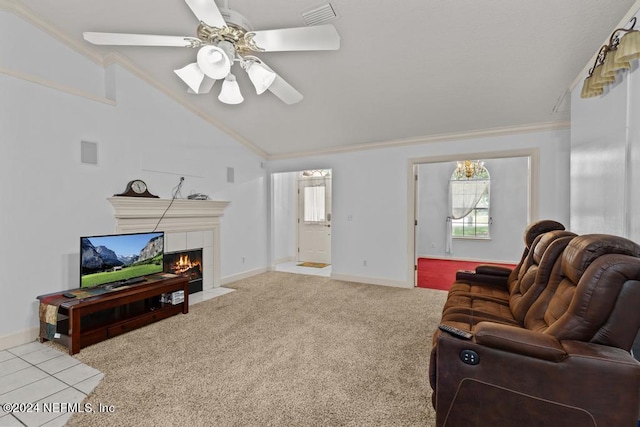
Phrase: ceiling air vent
(319, 15)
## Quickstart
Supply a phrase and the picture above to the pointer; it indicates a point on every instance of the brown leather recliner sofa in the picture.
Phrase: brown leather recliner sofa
(550, 343)
(501, 278)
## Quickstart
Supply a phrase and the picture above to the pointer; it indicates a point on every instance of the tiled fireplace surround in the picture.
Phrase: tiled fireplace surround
(188, 224)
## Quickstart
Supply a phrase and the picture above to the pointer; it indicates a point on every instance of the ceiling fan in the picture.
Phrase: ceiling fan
(224, 37)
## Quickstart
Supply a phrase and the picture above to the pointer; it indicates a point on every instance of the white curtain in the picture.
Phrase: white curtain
(463, 198)
(314, 204)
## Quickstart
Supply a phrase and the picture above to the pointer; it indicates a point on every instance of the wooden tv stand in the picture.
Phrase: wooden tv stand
(86, 321)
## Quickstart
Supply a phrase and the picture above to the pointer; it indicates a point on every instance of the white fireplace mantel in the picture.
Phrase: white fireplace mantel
(141, 214)
(182, 220)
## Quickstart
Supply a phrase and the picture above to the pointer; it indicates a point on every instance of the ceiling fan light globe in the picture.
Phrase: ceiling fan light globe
(215, 57)
(193, 76)
(261, 77)
(230, 92)
(214, 62)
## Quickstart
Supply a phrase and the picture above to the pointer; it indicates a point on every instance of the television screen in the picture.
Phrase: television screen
(120, 258)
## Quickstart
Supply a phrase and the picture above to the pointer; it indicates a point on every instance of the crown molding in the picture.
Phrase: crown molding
(111, 58)
(455, 136)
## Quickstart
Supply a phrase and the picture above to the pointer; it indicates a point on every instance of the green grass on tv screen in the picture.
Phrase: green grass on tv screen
(150, 266)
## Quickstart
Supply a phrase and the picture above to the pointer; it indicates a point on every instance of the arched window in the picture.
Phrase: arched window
(469, 196)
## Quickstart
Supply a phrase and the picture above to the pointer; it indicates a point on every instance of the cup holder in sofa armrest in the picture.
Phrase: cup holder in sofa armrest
(518, 340)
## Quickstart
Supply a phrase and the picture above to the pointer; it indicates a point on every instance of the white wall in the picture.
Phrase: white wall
(599, 144)
(509, 199)
(51, 198)
(605, 151)
(284, 208)
(372, 187)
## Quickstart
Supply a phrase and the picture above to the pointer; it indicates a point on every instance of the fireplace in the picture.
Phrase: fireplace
(187, 224)
(188, 264)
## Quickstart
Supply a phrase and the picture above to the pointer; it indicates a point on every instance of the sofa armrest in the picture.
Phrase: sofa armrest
(493, 270)
(518, 340)
(532, 391)
(487, 279)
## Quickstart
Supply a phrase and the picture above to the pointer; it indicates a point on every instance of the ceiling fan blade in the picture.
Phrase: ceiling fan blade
(318, 37)
(283, 90)
(140, 40)
(207, 11)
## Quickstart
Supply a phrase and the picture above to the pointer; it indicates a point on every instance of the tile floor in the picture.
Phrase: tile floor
(292, 267)
(35, 373)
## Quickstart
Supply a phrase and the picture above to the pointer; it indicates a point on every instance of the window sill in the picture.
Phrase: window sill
(471, 238)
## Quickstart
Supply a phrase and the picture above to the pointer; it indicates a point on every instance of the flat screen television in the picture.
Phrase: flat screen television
(120, 258)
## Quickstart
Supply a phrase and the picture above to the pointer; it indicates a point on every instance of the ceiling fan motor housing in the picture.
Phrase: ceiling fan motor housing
(234, 32)
(228, 48)
(235, 19)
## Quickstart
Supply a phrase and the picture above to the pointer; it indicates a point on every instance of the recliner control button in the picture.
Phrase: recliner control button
(469, 357)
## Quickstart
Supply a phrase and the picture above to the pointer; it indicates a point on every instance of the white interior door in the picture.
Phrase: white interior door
(314, 220)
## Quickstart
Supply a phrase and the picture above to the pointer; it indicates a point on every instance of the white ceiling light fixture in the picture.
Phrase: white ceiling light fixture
(225, 37)
(214, 62)
(611, 58)
(261, 76)
(193, 76)
(230, 92)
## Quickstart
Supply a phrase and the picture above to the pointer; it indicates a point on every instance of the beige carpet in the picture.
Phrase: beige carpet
(283, 350)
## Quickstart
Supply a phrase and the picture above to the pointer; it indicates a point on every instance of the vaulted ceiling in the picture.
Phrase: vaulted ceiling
(407, 71)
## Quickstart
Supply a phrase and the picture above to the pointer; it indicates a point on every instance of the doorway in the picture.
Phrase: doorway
(295, 241)
(314, 218)
(513, 206)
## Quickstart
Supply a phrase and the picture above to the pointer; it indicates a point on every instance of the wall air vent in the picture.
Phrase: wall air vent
(319, 15)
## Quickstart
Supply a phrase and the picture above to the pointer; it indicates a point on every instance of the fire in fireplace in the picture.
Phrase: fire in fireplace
(188, 264)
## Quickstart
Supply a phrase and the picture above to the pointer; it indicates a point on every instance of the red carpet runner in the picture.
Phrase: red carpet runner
(440, 273)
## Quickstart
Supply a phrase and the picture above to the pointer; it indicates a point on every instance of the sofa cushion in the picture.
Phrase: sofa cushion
(498, 285)
(532, 279)
(588, 247)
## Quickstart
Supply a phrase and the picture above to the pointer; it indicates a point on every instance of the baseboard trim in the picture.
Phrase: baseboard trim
(240, 276)
(284, 259)
(371, 280)
(19, 338)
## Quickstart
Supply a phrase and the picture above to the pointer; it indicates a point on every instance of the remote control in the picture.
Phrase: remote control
(456, 332)
(68, 295)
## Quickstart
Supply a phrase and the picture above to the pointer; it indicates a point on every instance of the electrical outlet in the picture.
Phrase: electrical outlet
(243, 260)
(433, 244)
(364, 262)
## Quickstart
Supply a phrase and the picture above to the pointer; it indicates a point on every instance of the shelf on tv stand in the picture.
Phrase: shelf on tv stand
(86, 321)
